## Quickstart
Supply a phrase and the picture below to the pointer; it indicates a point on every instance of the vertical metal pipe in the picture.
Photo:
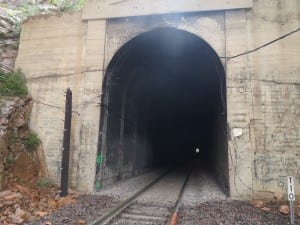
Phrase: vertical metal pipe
(66, 145)
(292, 213)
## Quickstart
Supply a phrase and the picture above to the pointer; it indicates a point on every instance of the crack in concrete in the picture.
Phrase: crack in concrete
(277, 82)
(61, 75)
(271, 81)
(118, 2)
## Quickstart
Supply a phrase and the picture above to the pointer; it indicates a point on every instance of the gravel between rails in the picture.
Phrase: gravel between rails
(127, 188)
(166, 191)
(153, 207)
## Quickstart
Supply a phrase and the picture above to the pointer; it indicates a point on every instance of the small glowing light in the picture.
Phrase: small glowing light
(197, 150)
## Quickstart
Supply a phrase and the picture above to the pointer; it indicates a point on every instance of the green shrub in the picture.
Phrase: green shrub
(13, 84)
(31, 142)
(69, 5)
(29, 10)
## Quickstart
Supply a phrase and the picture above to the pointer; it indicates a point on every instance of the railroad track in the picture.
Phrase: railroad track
(155, 204)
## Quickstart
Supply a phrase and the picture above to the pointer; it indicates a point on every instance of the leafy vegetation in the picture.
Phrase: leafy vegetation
(29, 10)
(13, 84)
(69, 5)
(31, 142)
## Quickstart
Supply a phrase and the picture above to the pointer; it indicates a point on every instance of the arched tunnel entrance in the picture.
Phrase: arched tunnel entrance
(164, 96)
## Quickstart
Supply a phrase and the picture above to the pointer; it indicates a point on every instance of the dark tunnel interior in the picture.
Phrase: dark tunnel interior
(164, 96)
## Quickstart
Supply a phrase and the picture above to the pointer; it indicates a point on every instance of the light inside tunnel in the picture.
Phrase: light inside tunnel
(164, 96)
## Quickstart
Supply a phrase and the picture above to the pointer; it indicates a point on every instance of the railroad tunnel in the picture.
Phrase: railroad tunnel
(164, 95)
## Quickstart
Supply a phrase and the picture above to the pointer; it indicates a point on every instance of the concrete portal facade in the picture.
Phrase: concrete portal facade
(263, 86)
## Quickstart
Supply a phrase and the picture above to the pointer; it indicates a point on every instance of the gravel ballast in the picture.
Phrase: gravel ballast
(86, 209)
(90, 207)
(203, 203)
(229, 213)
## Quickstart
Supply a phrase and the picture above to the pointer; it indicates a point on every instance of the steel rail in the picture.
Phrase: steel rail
(173, 218)
(119, 208)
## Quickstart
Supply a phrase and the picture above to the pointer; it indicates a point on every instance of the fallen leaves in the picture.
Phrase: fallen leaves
(22, 203)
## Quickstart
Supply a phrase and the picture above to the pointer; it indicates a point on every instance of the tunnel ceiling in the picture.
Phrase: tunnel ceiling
(165, 96)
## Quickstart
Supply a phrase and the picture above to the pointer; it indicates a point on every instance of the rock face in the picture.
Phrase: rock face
(17, 163)
(23, 193)
(8, 40)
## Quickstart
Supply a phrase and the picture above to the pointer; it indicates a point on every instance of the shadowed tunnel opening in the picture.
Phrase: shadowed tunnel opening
(164, 96)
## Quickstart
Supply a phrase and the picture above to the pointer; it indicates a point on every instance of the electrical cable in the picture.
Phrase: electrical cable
(54, 106)
(261, 46)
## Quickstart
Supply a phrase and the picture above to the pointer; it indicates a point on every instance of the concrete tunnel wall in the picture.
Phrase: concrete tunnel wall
(262, 87)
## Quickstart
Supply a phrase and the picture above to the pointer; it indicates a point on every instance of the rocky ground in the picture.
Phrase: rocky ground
(205, 203)
(86, 208)
(84, 211)
(232, 213)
